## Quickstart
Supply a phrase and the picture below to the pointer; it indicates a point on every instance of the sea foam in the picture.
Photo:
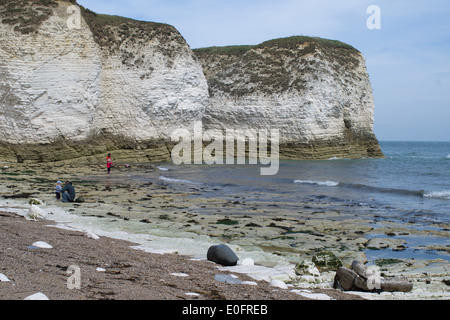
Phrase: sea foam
(327, 183)
(445, 194)
(174, 180)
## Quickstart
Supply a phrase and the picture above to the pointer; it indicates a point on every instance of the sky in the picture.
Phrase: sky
(408, 58)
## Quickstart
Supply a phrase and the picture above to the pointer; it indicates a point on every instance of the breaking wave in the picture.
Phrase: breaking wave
(445, 195)
(319, 183)
(181, 181)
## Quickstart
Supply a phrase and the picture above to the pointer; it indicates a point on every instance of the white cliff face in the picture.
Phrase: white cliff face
(308, 93)
(150, 101)
(59, 83)
(132, 84)
(50, 82)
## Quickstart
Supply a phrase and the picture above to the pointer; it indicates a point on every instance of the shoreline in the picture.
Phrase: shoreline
(161, 219)
(126, 274)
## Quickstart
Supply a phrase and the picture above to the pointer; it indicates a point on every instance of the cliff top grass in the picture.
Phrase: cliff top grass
(230, 50)
(27, 16)
(101, 24)
(289, 42)
(296, 40)
(114, 20)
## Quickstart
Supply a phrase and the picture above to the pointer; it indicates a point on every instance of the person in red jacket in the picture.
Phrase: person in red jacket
(109, 162)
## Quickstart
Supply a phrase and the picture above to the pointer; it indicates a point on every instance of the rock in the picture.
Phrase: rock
(396, 284)
(91, 235)
(384, 243)
(225, 278)
(179, 274)
(3, 278)
(308, 294)
(223, 255)
(326, 261)
(361, 278)
(344, 279)
(42, 245)
(35, 213)
(308, 279)
(306, 267)
(278, 284)
(246, 262)
(359, 268)
(37, 296)
(36, 202)
(192, 294)
(80, 200)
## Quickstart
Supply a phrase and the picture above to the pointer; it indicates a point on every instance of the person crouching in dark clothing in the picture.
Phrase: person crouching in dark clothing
(68, 192)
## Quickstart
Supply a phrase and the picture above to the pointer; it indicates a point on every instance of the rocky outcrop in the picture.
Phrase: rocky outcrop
(316, 92)
(109, 83)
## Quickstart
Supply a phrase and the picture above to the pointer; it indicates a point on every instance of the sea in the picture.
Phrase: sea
(411, 183)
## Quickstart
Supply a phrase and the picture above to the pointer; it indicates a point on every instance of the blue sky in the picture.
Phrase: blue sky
(408, 59)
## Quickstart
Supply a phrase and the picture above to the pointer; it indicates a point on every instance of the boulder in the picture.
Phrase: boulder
(396, 284)
(278, 284)
(35, 213)
(344, 279)
(360, 278)
(326, 261)
(80, 200)
(306, 267)
(223, 255)
(246, 262)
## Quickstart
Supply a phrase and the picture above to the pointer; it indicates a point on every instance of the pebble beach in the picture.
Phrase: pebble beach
(152, 241)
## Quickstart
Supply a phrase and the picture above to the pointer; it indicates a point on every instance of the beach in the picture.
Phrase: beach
(125, 274)
(154, 235)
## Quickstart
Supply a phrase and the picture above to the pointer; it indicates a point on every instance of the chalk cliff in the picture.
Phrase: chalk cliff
(74, 85)
(99, 83)
(315, 91)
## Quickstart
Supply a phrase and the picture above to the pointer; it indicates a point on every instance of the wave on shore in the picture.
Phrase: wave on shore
(319, 183)
(181, 181)
(443, 195)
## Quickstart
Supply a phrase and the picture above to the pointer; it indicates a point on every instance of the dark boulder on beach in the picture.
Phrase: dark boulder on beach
(223, 255)
(80, 200)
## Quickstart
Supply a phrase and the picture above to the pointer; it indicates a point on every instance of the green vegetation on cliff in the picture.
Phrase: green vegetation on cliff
(286, 43)
(292, 42)
(232, 50)
(25, 15)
